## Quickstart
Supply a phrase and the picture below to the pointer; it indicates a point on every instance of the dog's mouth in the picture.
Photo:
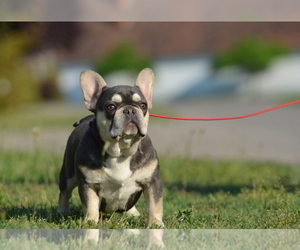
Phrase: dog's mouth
(131, 129)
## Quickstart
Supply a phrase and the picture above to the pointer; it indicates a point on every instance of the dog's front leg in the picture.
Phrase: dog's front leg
(154, 199)
(90, 201)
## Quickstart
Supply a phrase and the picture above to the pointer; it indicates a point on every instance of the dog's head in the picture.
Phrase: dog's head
(121, 111)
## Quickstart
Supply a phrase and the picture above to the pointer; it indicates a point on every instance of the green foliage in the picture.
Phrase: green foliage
(17, 85)
(124, 56)
(252, 53)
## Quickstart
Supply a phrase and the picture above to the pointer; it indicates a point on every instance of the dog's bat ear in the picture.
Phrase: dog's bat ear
(145, 82)
(92, 85)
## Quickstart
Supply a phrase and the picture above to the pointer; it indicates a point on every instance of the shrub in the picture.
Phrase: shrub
(17, 85)
(124, 56)
(252, 53)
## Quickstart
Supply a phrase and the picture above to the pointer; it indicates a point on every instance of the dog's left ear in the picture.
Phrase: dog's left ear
(145, 82)
(92, 85)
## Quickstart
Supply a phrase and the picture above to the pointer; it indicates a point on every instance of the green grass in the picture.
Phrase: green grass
(173, 239)
(198, 194)
(45, 115)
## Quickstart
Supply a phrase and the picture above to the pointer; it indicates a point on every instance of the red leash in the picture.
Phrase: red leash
(227, 118)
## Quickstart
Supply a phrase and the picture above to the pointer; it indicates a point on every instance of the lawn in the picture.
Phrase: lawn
(198, 194)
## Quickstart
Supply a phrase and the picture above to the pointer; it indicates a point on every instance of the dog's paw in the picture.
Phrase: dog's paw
(155, 224)
(155, 239)
(133, 212)
(63, 211)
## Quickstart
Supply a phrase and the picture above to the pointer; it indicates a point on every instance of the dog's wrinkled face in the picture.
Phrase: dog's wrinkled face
(122, 112)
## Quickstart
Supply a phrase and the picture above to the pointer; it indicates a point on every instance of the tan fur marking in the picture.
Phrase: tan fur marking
(93, 176)
(136, 97)
(117, 98)
(91, 212)
(145, 172)
(154, 209)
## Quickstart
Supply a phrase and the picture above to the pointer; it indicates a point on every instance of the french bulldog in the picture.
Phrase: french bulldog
(109, 155)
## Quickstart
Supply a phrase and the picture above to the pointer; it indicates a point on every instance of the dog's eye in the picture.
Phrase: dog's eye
(111, 107)
(143, 105)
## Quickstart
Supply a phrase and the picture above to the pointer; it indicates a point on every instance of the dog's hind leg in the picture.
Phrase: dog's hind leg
(66, 188)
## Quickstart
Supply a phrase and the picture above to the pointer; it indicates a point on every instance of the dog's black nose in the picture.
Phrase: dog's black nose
(129, 111)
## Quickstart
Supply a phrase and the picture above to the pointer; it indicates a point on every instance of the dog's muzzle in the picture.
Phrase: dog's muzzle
(129, 122)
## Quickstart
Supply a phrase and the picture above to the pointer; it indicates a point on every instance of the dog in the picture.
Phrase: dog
(109, 155)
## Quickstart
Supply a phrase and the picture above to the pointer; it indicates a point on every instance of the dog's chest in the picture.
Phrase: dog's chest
(114, 182)
(117, 170)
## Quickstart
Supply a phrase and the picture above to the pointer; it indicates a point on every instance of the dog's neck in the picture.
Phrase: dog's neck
(121, 147)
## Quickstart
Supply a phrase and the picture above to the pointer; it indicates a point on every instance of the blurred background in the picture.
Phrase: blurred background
(202, 69)
(149, 10)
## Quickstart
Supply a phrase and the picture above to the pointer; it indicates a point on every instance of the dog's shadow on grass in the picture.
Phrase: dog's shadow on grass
(41, 215)
(212, 189)
(31, 216)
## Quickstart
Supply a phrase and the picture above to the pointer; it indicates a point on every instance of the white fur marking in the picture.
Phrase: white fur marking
(133, 212)
(136, 97)
(117, 182)
(117, 98)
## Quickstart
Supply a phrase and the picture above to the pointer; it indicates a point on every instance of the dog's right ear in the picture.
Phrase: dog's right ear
(92, 85)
